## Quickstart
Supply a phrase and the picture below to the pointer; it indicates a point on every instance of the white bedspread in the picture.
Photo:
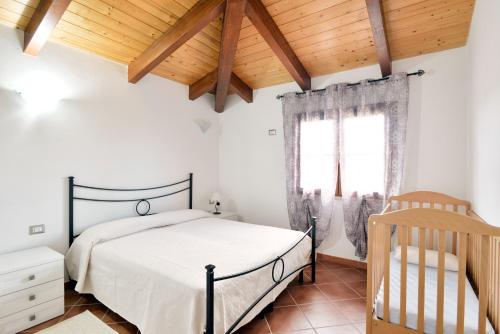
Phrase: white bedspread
(450, 300)
(150, 270)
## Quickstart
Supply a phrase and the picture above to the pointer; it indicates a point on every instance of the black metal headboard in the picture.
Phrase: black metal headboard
(144, 200)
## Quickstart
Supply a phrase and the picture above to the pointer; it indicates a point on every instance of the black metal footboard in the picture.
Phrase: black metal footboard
(211, 279)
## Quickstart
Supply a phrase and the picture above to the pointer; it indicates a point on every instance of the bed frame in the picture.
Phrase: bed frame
(438, 220)
(278, 264)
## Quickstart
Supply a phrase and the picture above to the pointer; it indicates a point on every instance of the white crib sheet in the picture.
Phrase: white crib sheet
(450, 300)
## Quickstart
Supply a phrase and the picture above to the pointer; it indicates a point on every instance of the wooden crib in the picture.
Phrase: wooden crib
(437, 222)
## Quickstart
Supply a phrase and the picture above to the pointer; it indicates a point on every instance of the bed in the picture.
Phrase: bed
(419, 253)
(183, 271)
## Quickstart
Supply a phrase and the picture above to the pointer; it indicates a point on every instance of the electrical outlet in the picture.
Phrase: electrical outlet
(272, 132)
(37, 229)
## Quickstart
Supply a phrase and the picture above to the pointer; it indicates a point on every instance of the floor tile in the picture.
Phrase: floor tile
(307, 294)
(284, 299)
(346, 329)
(125, 328)
(353, 309)
(319, 267)
(71, 297)
(111, 317)
(351, 275)
(338, 291)
(323, 315)
(87, 299)
(256, 326)
(304, 331)
(327, 276)
(97, 309)
(286, 319)
(331, 265)
(361, 327)
(359, 287)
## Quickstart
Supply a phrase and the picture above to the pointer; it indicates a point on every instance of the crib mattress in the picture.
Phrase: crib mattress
(450, 300)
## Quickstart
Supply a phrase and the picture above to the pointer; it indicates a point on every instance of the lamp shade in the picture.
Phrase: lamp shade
(215, 197)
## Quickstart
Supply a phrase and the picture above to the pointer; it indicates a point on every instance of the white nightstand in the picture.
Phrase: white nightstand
(31, 288)
(227, 215)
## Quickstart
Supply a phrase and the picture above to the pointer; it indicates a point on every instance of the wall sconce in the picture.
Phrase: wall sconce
(41, 91)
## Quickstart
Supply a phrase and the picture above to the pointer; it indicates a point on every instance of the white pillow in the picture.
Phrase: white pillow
(431, 258)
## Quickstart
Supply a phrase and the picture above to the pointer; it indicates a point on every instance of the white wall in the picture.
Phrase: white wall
(252, 174)
(105, 132)
(484, 111)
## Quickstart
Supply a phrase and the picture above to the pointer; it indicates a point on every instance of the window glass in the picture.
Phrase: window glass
(364, 147)
(317, 167)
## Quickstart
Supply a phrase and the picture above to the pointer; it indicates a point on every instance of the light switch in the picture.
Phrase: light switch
(37, 229)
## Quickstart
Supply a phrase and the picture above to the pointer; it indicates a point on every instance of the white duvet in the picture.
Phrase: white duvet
(150, 270)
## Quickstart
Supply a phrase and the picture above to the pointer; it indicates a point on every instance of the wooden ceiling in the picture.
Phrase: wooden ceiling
(327, 36)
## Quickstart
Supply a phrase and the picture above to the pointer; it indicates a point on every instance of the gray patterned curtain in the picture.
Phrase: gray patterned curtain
(339, 103)
(390, 99)
(297, 110)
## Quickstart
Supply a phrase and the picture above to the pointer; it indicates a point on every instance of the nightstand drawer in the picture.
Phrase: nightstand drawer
(31, 317)
(26, 278)
(30, 297)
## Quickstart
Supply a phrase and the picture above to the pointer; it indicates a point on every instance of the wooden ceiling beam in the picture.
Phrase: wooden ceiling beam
(203, 86)
(241, 88)
(208, 84)
(265, 25)
(233, 17)
(42, 23)
(197, 18)
(375, 14)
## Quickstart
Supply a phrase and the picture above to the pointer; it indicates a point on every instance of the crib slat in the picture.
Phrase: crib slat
(410, 230)
(431, 239)
(387, 273)
(370, 278)
(404, 266)
(462, 256)
(421, 280)
(432, 205)
(399, 206)
(455, 237)
(440, 285)
(483, 283)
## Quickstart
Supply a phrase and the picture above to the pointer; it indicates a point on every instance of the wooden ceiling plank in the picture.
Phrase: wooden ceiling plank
(17, 8)
(235, 10)
(307, 48)
(42, 23)
(311, 14)
(310, 25)
(264, 23)
(186, 27)
(379, 36)
(13, 20)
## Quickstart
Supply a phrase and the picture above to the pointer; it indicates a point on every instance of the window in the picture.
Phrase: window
(364, 149)
(316, 158)
(363, 155)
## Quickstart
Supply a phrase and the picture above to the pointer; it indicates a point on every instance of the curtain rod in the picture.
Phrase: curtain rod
(419, 73)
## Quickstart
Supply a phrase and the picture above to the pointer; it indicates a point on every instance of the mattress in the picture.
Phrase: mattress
(450, 300)
(155, 277)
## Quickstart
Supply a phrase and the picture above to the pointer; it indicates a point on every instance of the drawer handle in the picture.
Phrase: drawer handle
(32, 297)
(32, 317)
(31, 278)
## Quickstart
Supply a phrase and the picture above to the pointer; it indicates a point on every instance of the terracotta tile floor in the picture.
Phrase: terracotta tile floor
(334, 305)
